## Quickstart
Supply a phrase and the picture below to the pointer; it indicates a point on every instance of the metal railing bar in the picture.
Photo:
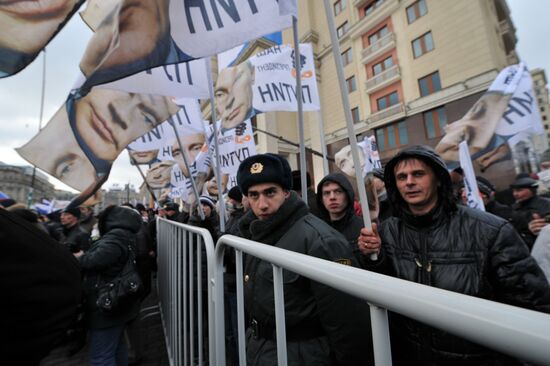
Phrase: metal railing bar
(280, 315)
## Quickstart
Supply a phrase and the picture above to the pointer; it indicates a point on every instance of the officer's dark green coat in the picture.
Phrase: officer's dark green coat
(343, 335)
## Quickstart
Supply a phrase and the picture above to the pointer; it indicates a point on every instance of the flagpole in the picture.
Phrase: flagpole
(216, 146)
(144, 179)
(379, 316)
(42, 98)
(298, 66)
(323, 143)
(186, 162)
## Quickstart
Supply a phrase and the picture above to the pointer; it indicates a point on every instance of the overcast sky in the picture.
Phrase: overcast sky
(20, 94)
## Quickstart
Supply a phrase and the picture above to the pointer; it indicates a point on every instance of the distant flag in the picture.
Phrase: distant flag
(473, 198)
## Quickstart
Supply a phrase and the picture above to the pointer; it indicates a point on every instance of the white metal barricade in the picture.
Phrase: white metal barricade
(515, 331)
(183, 251)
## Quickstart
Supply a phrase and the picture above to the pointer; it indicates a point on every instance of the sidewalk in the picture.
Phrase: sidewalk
(152, 338)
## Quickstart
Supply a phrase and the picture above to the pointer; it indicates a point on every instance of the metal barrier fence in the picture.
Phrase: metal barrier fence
(511, 330)
(183, 251)
(514, 331)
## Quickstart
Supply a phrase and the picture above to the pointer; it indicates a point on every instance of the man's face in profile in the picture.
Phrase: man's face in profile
(234, 94)
(192, 145)
(477, 127)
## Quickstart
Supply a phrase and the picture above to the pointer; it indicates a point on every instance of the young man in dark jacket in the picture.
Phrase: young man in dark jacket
(323, 326)
(335, 199)
(432, 241)
(75, 238)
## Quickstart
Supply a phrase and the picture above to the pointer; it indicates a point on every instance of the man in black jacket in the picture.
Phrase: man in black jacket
(432, 241)
(335, 199)
(323, 326)
(75, 238)
(533, 210)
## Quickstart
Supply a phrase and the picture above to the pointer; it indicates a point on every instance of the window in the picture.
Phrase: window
(372, 6)
(343, 29)
(544, 118)
(350, 82)
(416, 10)
(347, 57)
(355, 115)
(392, 136)
(339, 6)
(422, 44)
(382, 65)
(387, 101)
(429, 84)
(373, 38)
(435, 122)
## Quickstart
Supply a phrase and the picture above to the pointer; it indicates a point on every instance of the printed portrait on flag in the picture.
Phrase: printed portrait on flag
(369, 157)
(233, 95)
(140, 34)
(158, 176)
(192, 145)
(143, 157)
(505, 115)
(26, 27)
(86, 135)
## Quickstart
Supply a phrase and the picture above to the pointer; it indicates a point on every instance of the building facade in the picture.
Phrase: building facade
(15, 181)
(411, 68)
(543, 102)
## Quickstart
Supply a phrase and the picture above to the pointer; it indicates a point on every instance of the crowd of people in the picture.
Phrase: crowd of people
(422, 231)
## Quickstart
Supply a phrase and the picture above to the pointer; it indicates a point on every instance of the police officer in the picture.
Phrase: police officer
(323, 326)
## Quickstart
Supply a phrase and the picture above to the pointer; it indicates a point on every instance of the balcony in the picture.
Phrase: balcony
(380, 46)
(386, 115)
(380, 12)
(383, 79)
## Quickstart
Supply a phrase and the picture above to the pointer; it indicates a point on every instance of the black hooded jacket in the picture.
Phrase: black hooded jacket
(350, 225)
(106, 258)
(457, 249)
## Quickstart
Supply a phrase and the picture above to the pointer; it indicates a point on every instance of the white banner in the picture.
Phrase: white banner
(474, 200)
(183, 80)
(188, 120)
(370, 154)
(275, 79)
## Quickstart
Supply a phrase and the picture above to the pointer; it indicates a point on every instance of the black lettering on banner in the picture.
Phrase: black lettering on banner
(283, 92)
(155, 132)
(234, 158)
(270, 51)
(169, 76)
(228, 6)
(232, 180)
(166, 151)
(181, 112)
(512, 109)
(178, 176)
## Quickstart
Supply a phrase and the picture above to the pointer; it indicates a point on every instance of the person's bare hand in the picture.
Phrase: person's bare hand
(78, 254)
(369, 241)
(536, 225)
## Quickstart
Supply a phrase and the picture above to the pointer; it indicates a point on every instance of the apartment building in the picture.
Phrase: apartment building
(411, 67)
(543, 102)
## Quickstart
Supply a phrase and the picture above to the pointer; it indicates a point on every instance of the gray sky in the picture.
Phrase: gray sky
(20, 94)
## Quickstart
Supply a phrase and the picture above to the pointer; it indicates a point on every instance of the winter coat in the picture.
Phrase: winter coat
(457, 249)
(104, 261)
(76, 239)
(323, 326)
(525, 211)
(41, 289)
(541, 251)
